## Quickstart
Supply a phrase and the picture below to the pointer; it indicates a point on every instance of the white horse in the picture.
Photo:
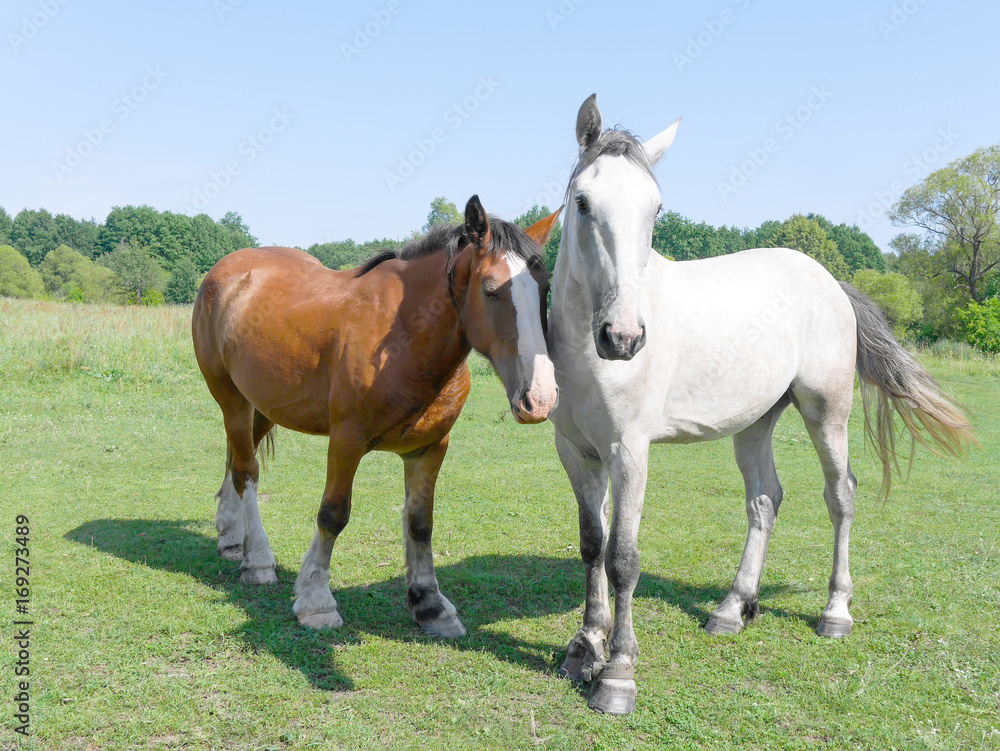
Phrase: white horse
(651, 351)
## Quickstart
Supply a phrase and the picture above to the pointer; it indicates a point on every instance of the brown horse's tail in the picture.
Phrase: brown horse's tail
(891, 378)
(265, 449)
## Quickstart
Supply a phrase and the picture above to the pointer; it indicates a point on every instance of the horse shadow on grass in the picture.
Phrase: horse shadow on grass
(486, 589)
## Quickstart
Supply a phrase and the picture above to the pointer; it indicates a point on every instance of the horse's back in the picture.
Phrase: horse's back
(267, 320)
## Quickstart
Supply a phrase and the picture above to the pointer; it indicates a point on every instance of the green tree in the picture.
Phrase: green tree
(17, 278)
(442, 211)
(537, 213)
(917, 259)
(183, 284)
(764, 236)
(81, 236)
(857, 248)
(959, 206)
(130, 225)
(238, 232)
(677, 237)
(34, 234)
(66, 273)
(895, 295)
(6, 226)
(137, 272)
(210, 242)
(801, 233)
(347, 254)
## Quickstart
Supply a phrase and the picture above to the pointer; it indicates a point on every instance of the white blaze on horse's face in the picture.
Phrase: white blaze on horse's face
(614, 202)
(537, 372)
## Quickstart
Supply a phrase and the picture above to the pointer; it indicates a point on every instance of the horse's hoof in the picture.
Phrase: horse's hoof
(232, 552)
(445, 627)
(584, 658)
(329, 619)
(615, 690)
(834, 628)
(719, 626)
(258, 576)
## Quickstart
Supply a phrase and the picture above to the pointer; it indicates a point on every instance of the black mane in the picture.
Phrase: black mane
(450, 238)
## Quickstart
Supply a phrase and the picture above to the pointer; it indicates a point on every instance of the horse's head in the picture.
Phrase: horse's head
(613, 201)
(506, 287)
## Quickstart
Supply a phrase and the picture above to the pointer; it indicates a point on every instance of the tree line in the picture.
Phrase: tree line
(940, 280)
(137, 255)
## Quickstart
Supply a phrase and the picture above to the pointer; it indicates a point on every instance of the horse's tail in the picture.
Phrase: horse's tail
(891, 378)
(265, 449)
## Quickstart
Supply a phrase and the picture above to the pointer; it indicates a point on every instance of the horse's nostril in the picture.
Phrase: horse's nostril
(604, 337)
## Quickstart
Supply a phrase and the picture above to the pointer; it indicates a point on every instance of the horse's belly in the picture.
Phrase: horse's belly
(709, 410)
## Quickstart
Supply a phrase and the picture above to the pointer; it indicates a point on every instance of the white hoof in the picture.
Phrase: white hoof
(330, 619)
(447, 627)
(258, 576)
(231, 552)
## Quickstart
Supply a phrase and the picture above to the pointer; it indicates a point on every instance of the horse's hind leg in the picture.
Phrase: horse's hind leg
(258, 565)
(431, 609)
(755, 457)
(229, 517)
(826, 421)
(589, 479)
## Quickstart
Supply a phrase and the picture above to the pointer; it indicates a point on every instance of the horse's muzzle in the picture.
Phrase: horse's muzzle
(531, 411)
(618, 345)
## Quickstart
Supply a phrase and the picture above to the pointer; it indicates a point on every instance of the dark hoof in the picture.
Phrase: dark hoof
(834, 629)
(718, 626)
(584, 659)
(614, 692)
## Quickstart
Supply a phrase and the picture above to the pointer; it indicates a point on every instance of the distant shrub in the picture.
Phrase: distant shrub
(17, 278)
(895, 295)
(980, 323)
(67, 273)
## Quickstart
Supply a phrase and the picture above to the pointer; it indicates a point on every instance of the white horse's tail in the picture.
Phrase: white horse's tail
(891, 378)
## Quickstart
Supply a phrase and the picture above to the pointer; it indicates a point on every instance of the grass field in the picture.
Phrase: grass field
(144, 638)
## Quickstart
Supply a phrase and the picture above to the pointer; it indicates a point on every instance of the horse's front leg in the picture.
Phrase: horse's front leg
(589, 479)
(614, 689)
(315, 605)
(431, 609)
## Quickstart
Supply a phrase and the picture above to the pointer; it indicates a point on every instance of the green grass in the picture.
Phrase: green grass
(145, 639)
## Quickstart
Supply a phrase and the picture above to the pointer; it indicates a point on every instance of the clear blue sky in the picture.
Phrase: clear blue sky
(299, 114)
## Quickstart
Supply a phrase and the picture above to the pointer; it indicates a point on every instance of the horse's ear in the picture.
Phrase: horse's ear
(656, 145)
(540, 230)
(588, 123)
(476, 223)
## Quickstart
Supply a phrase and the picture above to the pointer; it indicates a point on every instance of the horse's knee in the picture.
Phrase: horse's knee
(591, 542)
(419, 525)
(622, 565)
(244, 474)
(333, 516)
(763, 509)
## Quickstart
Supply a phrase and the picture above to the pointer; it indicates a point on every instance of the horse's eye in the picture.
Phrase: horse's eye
(581, 204)
(490, 291)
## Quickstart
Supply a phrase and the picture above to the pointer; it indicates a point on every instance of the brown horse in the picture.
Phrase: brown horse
(374, 358)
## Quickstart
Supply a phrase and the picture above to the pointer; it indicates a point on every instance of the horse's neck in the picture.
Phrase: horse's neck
(432, 319)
